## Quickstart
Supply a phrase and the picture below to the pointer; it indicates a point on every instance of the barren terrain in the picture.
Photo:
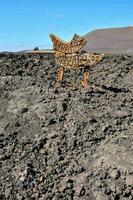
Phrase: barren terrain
(65, 143)
(111, 40)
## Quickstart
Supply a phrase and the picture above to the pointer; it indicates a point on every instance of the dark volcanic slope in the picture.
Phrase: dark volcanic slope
(66, 143)
(115, 40)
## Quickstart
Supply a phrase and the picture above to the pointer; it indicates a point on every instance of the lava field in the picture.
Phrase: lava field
(69, 143)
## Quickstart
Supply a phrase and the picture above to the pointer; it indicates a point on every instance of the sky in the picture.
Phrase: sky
(26, 24)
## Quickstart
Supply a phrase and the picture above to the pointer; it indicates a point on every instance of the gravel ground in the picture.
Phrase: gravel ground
(65, 143)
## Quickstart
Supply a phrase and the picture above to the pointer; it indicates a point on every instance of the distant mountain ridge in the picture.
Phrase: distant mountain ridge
(111, 40)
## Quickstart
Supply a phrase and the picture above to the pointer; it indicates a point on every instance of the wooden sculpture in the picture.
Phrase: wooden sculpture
(68, 56)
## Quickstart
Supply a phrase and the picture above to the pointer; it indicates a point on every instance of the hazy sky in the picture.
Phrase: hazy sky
(27, 23)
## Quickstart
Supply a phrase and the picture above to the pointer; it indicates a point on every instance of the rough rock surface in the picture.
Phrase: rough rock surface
(65, 143)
